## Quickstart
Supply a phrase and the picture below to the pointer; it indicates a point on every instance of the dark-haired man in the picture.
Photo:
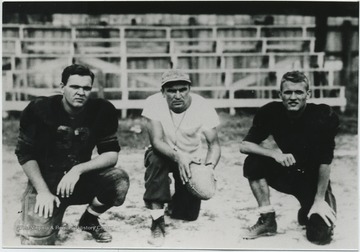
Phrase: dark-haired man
(305, 136)
(177, 119)
(55, 144)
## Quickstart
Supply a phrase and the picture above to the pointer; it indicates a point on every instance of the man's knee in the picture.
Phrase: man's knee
(254, 166)
(44, 240)
(122, 188)
(185, 206)
(116, 185)
(154, 161)
(36, 230)
(157, 172)
(317, 231)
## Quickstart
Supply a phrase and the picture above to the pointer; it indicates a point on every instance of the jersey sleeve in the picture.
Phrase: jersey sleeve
(259, 130)
(330, 127)
(210, 117)
(107, 139)
(26, 142)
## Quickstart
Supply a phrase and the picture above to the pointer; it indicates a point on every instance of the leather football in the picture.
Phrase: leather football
(202, 183)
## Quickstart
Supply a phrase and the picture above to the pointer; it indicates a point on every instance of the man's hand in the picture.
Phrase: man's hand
(184, 161)
(44, 205)
(322, 208)
(285, 159)
(67, 184)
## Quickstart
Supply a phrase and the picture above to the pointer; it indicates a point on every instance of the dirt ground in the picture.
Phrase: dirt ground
(222, 218)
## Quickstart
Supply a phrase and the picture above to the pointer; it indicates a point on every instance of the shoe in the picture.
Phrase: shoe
(157, 237)
(265, 226)
(302, 218)
(90, 223)
(169, 209)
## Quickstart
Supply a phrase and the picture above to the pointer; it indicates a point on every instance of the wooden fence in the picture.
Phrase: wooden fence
(232, 66)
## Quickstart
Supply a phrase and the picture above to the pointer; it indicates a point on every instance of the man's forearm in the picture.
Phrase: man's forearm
(323, 181)
(104, 160)
(253, 148)
(32, 171)
(213, 154)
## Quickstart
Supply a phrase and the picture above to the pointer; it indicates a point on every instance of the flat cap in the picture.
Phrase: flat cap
(174, 75)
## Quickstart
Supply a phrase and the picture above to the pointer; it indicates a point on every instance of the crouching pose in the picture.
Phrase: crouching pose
(305, 136)
(176, 121)
(55, 145)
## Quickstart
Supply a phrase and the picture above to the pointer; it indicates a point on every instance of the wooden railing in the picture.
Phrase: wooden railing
(257, 31)
(233, 64)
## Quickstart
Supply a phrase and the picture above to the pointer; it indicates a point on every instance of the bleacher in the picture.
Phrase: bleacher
(233, 66)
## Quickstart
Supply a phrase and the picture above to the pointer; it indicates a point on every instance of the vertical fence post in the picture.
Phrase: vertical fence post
(72, 45)
(331, 78)
(11, 80)
(228, 80)
(342, 96)
(123, 72)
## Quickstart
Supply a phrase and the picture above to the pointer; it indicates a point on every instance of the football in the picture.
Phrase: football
(202, 183)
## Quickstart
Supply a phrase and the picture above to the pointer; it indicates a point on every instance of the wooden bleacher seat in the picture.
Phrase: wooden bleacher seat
(53, 49)
(136, 55)
(98, 50)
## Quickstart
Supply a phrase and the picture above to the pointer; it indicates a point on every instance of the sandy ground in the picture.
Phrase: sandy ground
(222, 218)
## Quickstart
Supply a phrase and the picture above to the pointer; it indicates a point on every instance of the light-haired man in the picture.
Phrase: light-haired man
(305, 136)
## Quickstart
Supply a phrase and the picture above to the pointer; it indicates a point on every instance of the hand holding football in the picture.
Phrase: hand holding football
(202, 183)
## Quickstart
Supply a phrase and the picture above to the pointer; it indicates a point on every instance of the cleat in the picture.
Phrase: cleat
(265, 226)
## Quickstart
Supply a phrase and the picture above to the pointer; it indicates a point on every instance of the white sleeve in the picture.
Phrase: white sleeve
(210, 117)
(152, 108)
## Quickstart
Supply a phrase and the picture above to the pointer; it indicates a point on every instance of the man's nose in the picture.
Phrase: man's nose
(81, 91)
(177, 95)
(293, 95)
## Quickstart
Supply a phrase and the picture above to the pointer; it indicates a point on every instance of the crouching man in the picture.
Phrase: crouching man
(55, 144)
(176, 121)
(305, 136)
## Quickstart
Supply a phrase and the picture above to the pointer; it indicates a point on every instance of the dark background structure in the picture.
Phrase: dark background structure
(341, 8)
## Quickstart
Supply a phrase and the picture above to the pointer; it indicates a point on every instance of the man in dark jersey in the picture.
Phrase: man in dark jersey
(55, 144)
(300, 166)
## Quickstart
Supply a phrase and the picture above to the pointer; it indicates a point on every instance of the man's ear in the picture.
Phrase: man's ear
(308, 94)
(279, 94)
(62, 85)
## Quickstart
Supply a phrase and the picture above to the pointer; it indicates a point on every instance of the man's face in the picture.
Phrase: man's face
(177, 96)
(76, 91)
(294, 95)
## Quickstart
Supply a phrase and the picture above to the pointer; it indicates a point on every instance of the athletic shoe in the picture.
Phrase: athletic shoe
(157, 237)
(90, 223)
(265, 226)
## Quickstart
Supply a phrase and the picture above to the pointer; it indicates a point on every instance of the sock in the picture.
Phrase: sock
(156, 213)
(266, 209)
(96, 207)
(91, 211)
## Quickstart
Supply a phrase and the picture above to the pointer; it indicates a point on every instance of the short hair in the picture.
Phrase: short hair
(295, 77)
(76, 69)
